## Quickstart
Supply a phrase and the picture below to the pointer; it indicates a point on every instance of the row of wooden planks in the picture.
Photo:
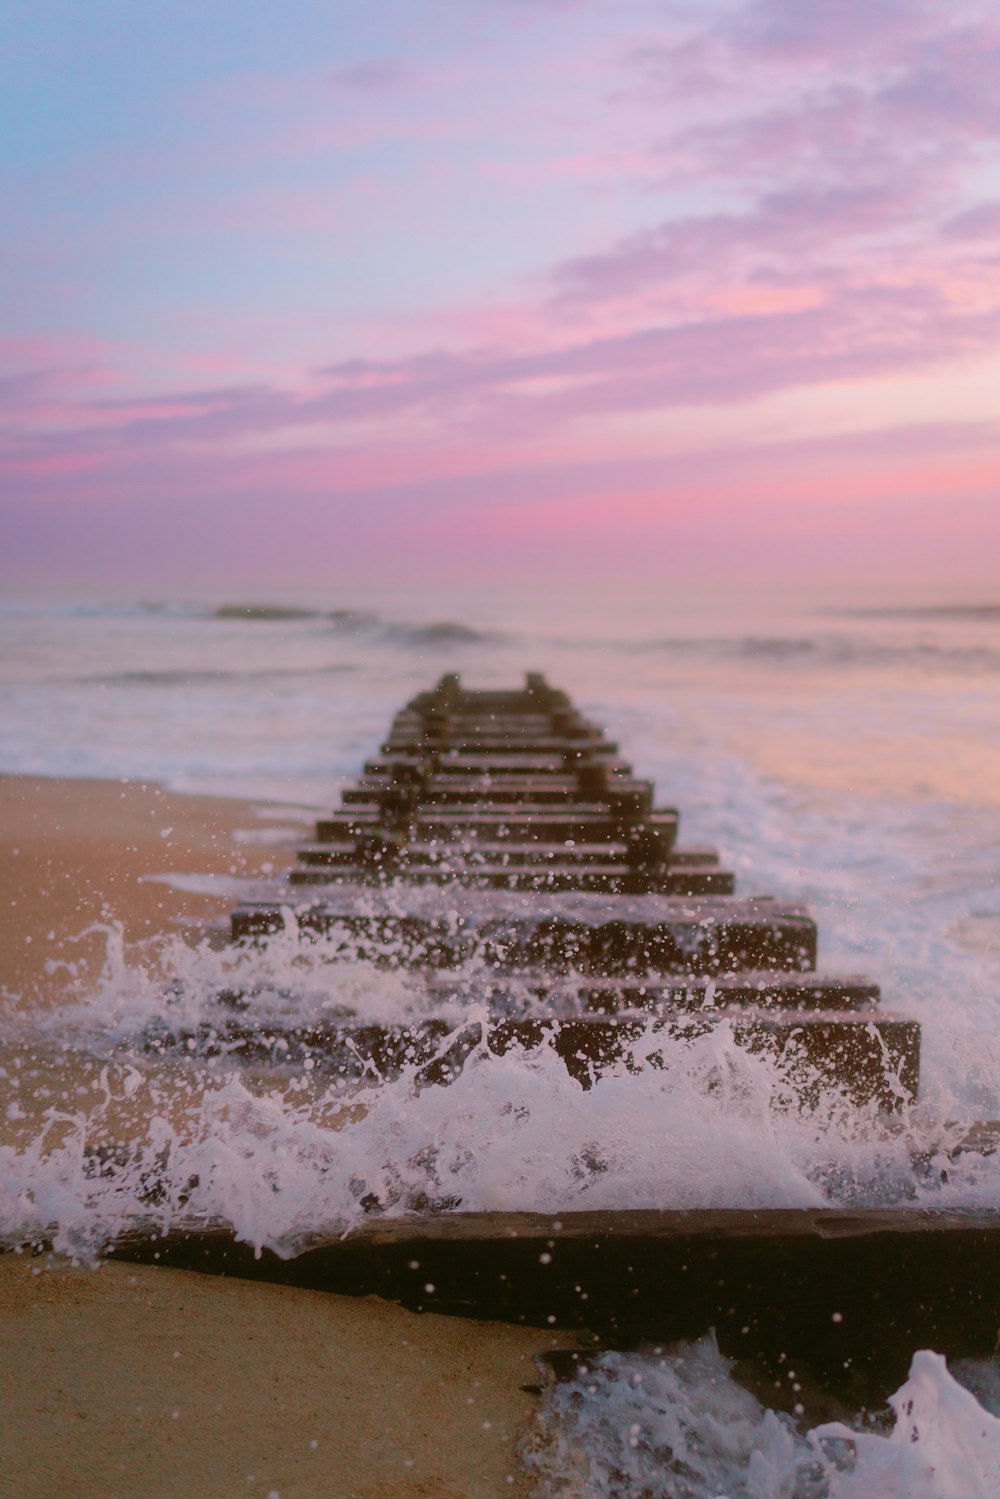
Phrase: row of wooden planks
(500, 853)
(500, 850)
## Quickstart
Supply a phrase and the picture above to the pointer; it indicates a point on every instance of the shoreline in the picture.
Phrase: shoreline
(141, 1382)
(75, 853)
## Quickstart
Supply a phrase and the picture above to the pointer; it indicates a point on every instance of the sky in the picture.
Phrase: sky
(324, 293)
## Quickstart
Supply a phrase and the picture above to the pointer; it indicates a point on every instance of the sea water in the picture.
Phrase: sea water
(840, 752)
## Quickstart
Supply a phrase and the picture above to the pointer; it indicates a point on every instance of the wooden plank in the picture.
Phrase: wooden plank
(517, 992)
(388, 940)
(506, 791)
(866, 1056)
(557, 788)
(506, 991)
(503, 745)
(584, 822)
(514, 724)
(847, 1293)
(705, 936)
(641, 864)
(544, 822)
(507, 736)
(469, 854)
(649, 933)
(611, 879)
(470, 766)
(483, 703)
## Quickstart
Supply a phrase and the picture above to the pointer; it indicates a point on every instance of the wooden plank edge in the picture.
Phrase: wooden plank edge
(842, 1289)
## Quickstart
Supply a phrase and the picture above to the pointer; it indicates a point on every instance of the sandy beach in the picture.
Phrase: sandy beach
(126, 1382)
(77, 853)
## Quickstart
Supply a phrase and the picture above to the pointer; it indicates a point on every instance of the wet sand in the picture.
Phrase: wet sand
(129, 1382)
(73, 853)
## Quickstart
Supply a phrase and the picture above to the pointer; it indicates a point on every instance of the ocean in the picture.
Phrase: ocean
(845, 752)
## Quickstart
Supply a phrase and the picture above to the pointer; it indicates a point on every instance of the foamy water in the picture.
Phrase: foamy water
(849, 759)
(675, 1424)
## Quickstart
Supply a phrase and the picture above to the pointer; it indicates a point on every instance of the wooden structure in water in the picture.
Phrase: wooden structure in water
(500, 850)
(849, 1294)
(501, 847)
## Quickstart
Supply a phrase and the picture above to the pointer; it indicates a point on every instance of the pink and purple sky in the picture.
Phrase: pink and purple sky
(322, 294)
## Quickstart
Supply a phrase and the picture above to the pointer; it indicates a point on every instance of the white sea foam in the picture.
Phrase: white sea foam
(711, 1125)
(677, 1425)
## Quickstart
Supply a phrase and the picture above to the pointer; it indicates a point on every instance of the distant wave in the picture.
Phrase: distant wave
(927, 611)
(179, 677)
(440, 632)
(831, 651)
(132, 609)
(436, 632)
(747, 647)
(373, 627)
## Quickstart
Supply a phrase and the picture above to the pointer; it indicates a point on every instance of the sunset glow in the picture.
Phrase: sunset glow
(322, 295)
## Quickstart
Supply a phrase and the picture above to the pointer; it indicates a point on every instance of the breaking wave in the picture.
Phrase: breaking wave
(194, 1081)
(676, 1424)
(350, 621)
(440, 632)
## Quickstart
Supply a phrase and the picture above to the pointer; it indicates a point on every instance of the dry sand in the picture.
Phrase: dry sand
(130, 1382)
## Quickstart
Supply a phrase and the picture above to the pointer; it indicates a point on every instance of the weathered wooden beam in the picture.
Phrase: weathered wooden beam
(643, 862)
(534, 993)
(483, 702)
(653, 933)
(387, 940)
(512, 853)
(867, 1056)
(506, 991)
(627, 798)
(649, 933)
(538, 822)
(503, 746)
(514, 724)
(473, 763)
(517, 822)
(613, 879)
(846, 1293)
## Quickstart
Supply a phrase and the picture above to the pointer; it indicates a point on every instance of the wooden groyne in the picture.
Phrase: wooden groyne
(566, 886)
(500, 850)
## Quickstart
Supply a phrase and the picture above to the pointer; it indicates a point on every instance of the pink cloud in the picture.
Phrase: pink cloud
(783, 196)
(759, 337)
(828, 31)
(838, 88)
(981, 222)
(951, 85)
(807, 506)
(69, 355)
